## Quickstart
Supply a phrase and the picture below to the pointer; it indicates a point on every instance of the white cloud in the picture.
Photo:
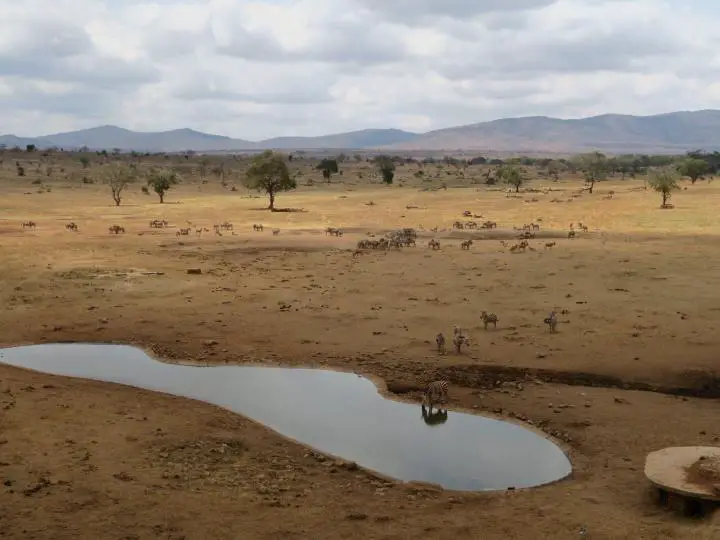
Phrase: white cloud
(261, 68)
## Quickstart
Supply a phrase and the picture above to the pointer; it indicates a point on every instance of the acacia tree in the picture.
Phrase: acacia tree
(386, 166)
(554, 168)
(269, 172)
(203, 168)
(664, 181)
(511, 175)
(328, 168)
(594, 167)
(161, 181)
(693, 168)
(118, 176)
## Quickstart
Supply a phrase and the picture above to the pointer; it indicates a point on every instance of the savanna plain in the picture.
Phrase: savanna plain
(631, 369)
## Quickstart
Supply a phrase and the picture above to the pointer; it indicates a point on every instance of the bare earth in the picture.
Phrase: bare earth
(639, 297)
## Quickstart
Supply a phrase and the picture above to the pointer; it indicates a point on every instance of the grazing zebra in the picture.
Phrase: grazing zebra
(257, 227)
(551, 321)
(116, 229)
(72, 226)
(549, 245)
(436, 392)
(434, 244)
(489, 318)
(276, 232)
(466, 244)
(571, 234)
(440, 342)
(28, 225)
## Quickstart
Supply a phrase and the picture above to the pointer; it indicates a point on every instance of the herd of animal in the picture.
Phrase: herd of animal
(406, 237)
(437, 392)
(225, 226)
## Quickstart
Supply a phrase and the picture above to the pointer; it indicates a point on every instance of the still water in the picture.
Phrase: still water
(338, 413)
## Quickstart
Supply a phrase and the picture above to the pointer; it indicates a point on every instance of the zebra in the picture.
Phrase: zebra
(436, 392)
(466, 245)
(489, 318)
(440, 341)
(458, 341)
(551, 321)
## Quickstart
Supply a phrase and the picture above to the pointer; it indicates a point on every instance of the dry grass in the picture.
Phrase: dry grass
(637, 298)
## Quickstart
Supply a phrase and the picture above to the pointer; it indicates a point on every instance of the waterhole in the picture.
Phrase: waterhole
(336, 413)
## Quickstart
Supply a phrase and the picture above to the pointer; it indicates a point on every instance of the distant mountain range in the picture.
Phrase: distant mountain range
(675, 132)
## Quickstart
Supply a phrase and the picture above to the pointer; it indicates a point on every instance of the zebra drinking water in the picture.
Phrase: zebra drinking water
(436, 392)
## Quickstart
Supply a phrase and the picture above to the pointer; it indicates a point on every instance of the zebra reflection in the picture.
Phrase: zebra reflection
(435, 418)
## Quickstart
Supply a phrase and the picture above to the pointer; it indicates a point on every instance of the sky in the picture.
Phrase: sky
(255, 69)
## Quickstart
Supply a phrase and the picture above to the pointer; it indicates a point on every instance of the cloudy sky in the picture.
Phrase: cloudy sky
(261, 68)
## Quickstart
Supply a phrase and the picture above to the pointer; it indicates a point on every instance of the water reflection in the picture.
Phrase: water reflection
(337, 413)
(436, 418)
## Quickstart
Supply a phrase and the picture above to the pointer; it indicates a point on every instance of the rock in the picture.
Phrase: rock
(195, 271)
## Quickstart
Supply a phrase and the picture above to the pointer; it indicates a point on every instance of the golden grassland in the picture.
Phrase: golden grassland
(638, 296)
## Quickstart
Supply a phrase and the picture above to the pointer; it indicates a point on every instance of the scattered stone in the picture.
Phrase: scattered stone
(194, 271)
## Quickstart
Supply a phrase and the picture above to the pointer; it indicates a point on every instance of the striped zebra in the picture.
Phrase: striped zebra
(436, 392)
(489, 318)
